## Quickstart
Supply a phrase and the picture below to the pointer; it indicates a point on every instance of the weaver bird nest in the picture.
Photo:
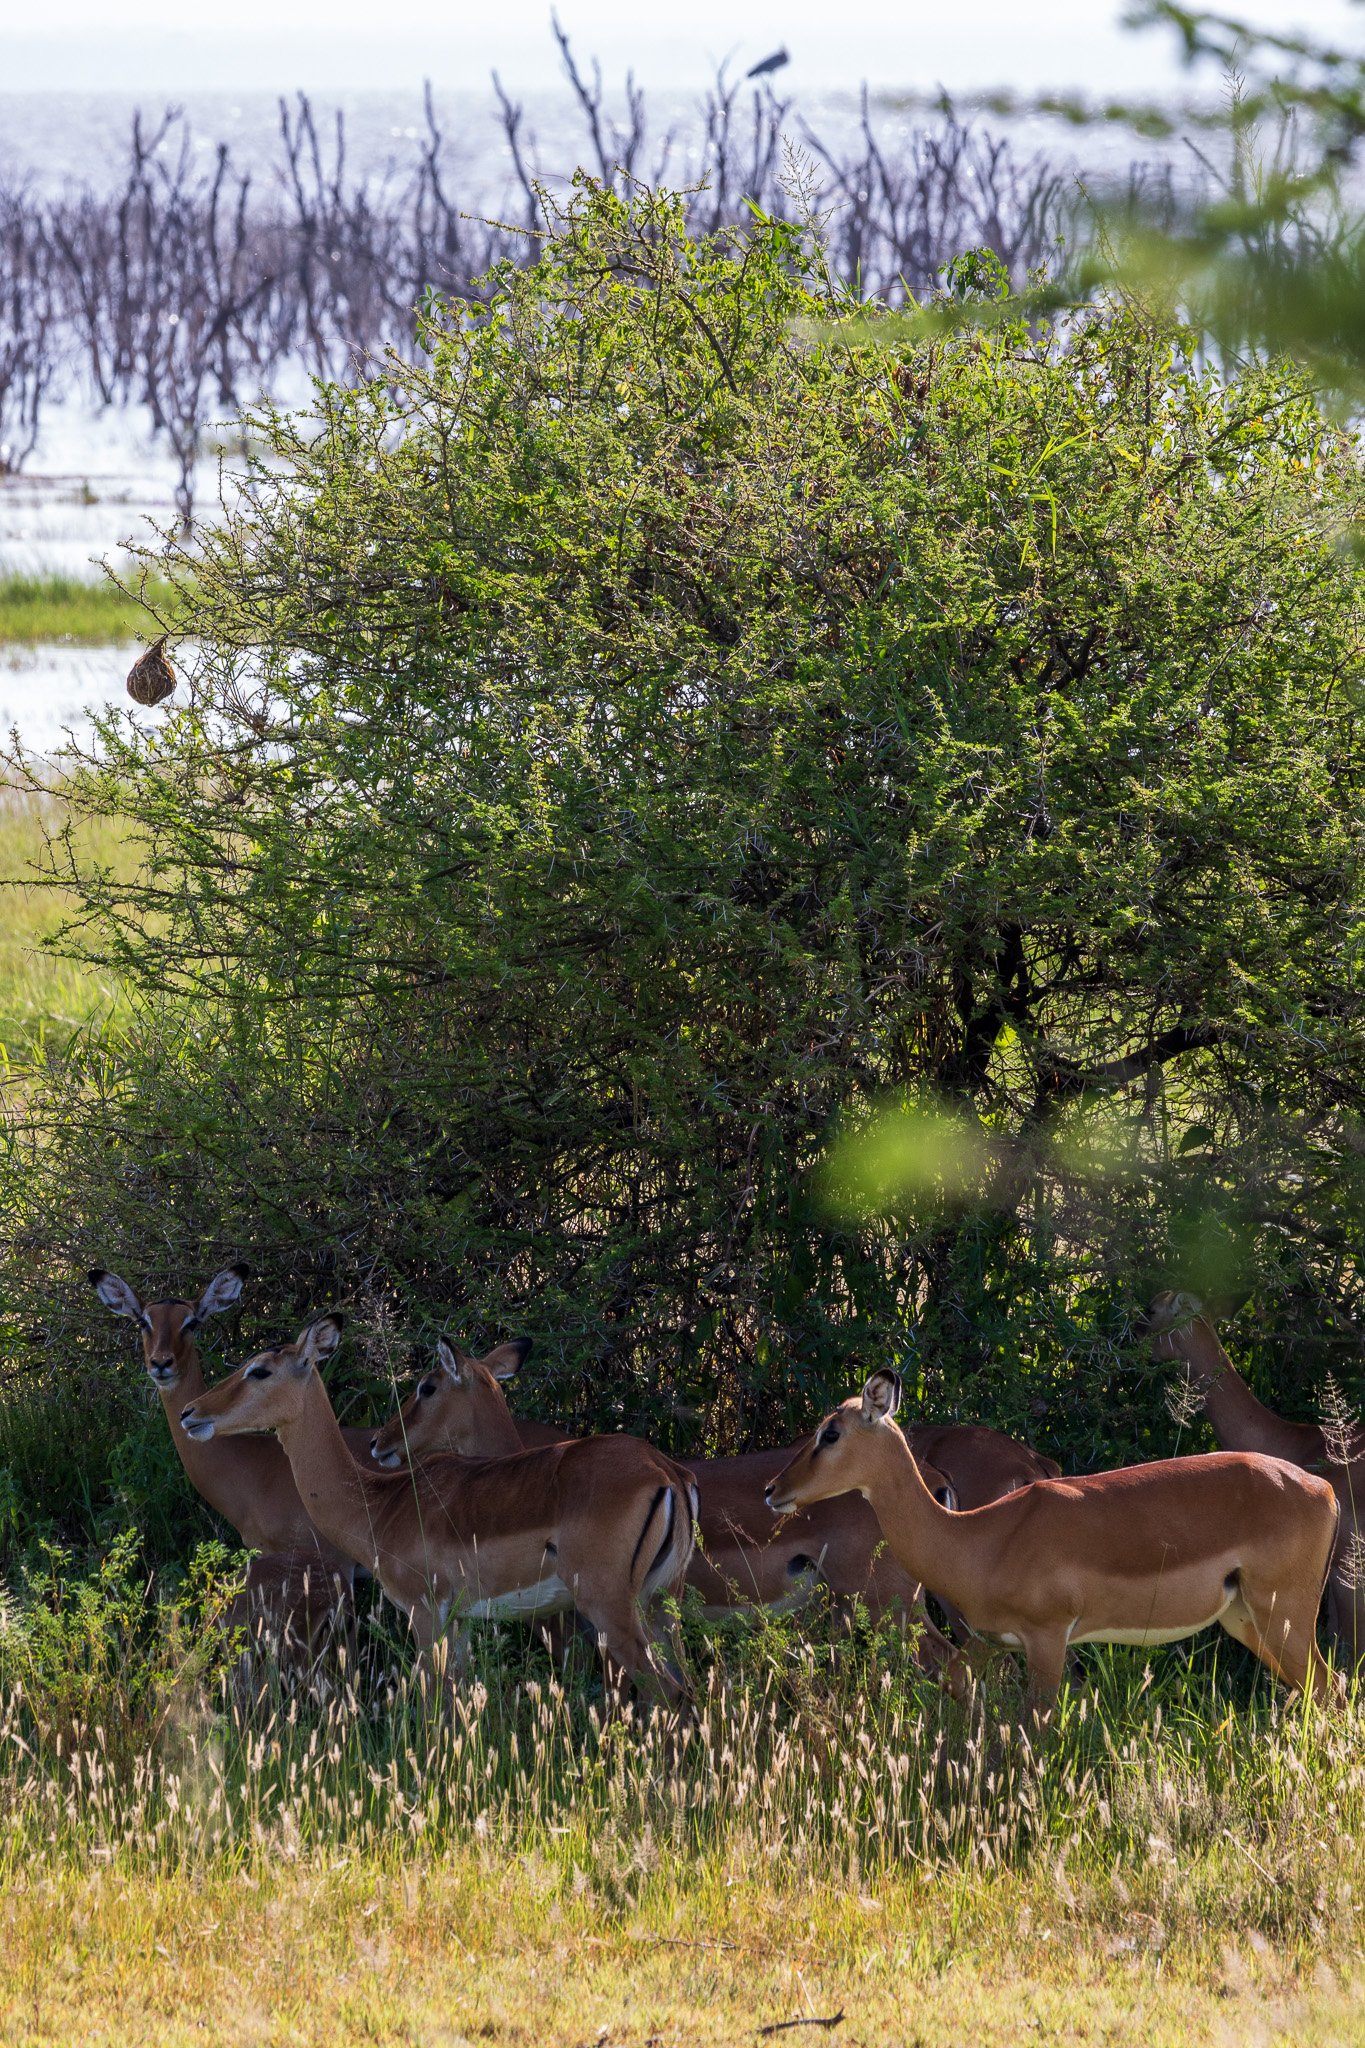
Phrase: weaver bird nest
(151, 677)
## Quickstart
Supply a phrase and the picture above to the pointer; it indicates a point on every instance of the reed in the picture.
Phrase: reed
(36, 609)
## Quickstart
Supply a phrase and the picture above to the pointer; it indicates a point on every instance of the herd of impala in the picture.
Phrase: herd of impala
(462, 1512)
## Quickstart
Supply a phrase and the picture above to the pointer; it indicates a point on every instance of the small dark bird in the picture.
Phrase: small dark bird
(773, 63)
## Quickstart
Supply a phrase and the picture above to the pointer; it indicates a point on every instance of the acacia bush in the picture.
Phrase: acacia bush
(673, 715)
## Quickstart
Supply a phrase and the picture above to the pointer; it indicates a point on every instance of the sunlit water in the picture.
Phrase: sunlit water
(48, 692)
(58, 140)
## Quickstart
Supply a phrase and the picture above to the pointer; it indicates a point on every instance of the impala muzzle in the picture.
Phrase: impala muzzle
(200, 1427)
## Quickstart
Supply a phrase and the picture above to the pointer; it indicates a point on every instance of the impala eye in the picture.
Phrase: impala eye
(830, 1433)
(426, 1390)
(258, 1372)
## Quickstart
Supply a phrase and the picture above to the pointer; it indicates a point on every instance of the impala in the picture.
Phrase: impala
(1180, 1329)
(1147, 1554)
(300, 1586)
(461, 1407)
(599, 1525)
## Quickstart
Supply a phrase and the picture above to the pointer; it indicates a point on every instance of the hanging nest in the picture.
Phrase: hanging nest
(151, 677)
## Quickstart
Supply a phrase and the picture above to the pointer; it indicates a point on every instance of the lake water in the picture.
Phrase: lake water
(56, 140)
(48, 693)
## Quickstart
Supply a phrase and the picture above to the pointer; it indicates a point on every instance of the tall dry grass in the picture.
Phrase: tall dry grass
(1174, 1805)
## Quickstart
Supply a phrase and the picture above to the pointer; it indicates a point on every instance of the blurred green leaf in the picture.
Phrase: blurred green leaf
(908, 1154)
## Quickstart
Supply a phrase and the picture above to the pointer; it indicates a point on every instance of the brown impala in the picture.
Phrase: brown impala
(601, 1525)
(461, 1407)
(1181, 1330)
(301, 1586)
(1147, 1554)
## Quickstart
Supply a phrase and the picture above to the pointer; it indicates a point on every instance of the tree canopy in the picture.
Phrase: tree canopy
(635, 745)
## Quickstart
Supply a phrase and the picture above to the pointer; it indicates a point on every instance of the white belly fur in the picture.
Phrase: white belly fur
(548, 1596)
(1143, 1636)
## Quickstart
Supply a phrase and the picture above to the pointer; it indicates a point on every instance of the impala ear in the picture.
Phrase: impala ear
(451, 1362)
(223, 1289)
(882, 1395)
(321, 1339)
(1186, 1305)
(116, 1294)
(508, 1359)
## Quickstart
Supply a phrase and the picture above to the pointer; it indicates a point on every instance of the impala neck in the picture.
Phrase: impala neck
(204, 1466)
(495, 1434)
(337, 1493)
(1240, 1422)
(929, 1542)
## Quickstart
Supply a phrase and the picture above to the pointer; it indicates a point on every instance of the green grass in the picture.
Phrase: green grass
(65, 608)
(1178, 1861)
(42, 997)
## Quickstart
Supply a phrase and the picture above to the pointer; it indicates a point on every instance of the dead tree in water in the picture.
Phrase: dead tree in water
(28, 326)
(190, 289)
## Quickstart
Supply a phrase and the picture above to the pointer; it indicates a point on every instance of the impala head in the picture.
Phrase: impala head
(458, 1407)
(840, 1457)
(267, 1392)
(168, 1328)
(1171, 1313)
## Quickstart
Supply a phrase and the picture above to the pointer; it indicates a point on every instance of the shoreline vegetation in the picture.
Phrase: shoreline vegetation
(192, 278)
(36, 610)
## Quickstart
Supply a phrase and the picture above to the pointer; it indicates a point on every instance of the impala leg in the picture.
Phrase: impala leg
(1346, 1621)
(891, 1589)
(1284, 1639)
(935, 1656)
(671, 1649)
(442, 1653)
(319, 1620)
(1045, 1651)
(626, 1649)
(625, 1658)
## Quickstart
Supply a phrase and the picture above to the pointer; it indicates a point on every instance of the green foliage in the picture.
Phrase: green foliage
(102, 1651)
(636, 740)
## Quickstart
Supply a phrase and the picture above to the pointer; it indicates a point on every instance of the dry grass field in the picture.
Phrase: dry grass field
(469, 1948)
